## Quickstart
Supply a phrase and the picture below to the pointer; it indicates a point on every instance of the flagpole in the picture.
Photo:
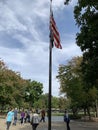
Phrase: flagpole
(50, 75)
(50, 86)
(54, 40)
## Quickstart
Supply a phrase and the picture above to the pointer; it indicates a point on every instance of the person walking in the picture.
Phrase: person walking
(9, 118)
(35, 120)
(15, 116)
(27, 117)
(67, 120)
(22, 116)
(42, 116)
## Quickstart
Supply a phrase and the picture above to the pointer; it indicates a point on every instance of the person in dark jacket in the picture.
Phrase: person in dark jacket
(42, 115)
(67, 120)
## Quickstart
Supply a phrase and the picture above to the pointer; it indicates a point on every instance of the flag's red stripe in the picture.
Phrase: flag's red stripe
(54, 29)
(55, 33)
(56, 37)
(57, 41)
(53, 24)
(57, 45)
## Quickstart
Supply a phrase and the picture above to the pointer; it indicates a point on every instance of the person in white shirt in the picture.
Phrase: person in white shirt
(35, 121)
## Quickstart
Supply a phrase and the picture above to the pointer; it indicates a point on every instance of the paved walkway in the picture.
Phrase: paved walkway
(74, 125)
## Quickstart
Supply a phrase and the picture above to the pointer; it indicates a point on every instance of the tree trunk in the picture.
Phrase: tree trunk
(96, 108)
(88, 111)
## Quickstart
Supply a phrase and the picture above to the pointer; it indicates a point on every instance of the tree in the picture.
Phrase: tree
(64, 103)
(71, 83)
(11, 86)
(33, 92)
(86, 15)
(42, 102)
(55, 102)
(16, 91)
(69, 77)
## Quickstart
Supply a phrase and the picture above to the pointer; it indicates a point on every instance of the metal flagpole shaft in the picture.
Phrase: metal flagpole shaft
(50, 85)
(50, 76)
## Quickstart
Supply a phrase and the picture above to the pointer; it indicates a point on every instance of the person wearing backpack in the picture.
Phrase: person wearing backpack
(67, 120)
(35, 121)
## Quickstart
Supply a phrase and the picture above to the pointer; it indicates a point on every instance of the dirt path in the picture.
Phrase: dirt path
(12, 127)
(27, 126)
(74, 125)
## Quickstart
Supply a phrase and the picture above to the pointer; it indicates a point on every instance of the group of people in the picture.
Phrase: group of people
(24, 117)
(12, 117)
(34, 121)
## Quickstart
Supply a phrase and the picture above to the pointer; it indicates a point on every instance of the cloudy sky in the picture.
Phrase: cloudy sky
(24, 38)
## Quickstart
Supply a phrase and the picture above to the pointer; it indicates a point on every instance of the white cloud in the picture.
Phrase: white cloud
(8, 20)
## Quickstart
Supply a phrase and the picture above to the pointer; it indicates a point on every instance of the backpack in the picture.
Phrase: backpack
(66, 119)
(35, 119)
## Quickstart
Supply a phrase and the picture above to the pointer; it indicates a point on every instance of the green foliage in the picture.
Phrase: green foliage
(33, 92)
(64, 103)
(70, 80)
(86, 15)
(68, 75)
(42, 102)
(55, 102)
(72, 85)
(16, 91)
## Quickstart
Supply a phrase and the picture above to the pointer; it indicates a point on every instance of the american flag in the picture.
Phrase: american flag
(54, 32)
